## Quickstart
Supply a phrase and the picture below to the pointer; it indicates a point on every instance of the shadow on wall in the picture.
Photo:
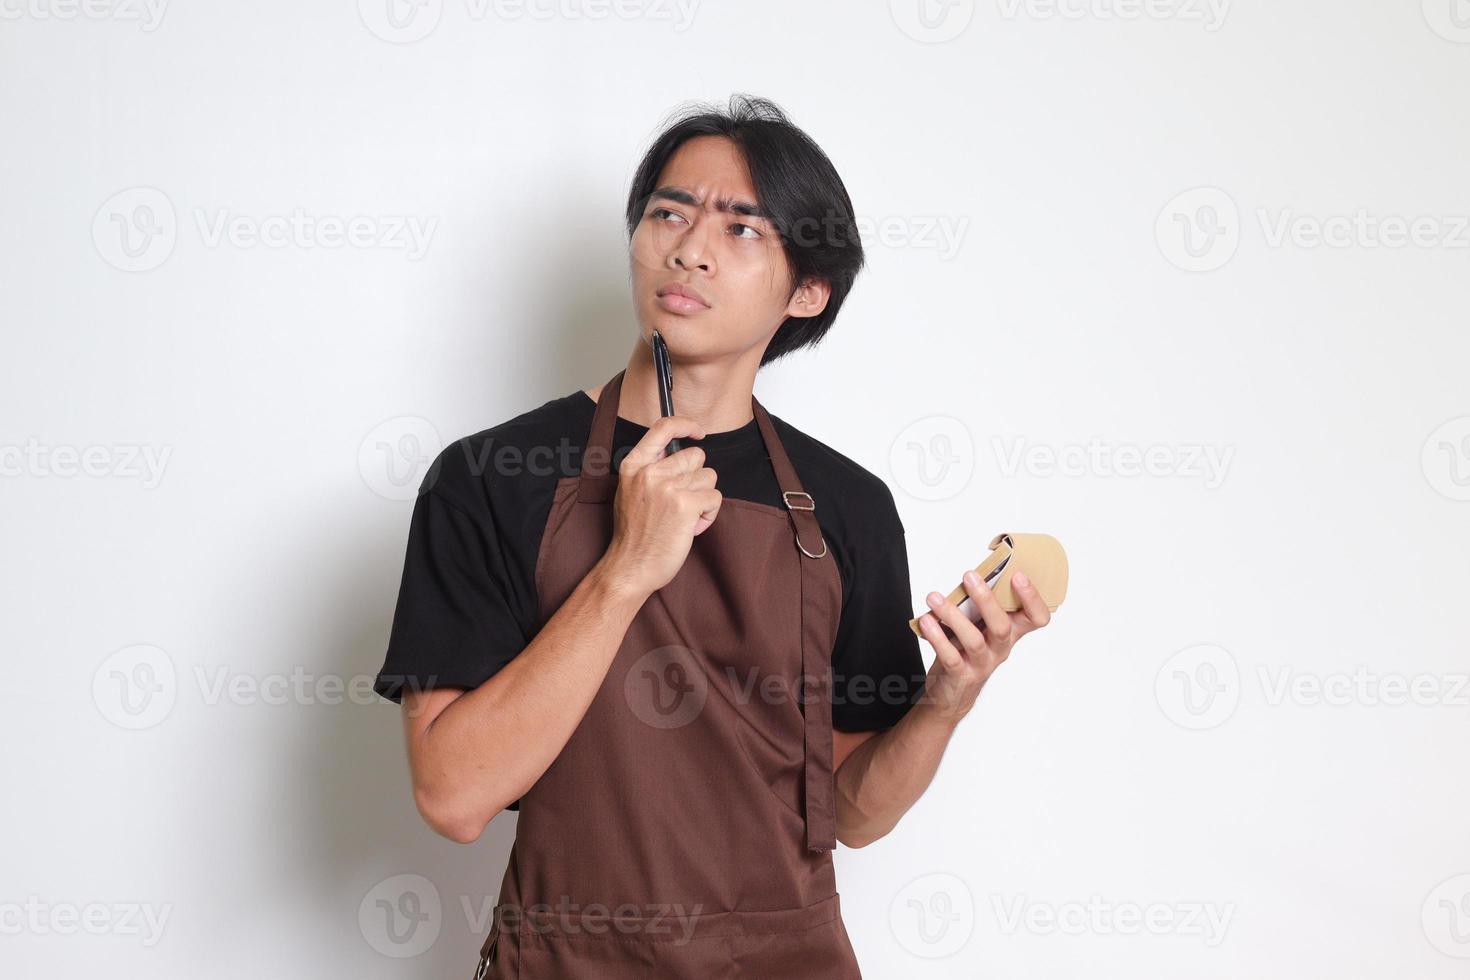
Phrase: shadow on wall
(392, 895)
(406, 901)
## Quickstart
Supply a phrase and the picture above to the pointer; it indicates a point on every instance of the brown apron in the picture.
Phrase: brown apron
(686, 828)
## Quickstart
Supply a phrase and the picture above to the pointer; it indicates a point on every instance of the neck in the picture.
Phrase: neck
(715, 394)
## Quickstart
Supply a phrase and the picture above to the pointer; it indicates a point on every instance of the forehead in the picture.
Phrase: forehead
(708, 166)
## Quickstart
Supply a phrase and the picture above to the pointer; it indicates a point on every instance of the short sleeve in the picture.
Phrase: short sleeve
(877, 667)
(454, 624)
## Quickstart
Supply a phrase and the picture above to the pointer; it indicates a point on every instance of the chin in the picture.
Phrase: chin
(682, 338)
(663, 321)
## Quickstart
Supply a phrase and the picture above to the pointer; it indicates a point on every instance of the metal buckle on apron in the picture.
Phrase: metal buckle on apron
(487, 952)
(786, 496)
(811, 505)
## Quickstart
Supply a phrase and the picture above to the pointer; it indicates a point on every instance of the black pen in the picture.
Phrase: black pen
(664, 368)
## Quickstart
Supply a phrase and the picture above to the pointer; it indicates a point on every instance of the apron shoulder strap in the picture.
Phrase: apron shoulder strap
(595, 485)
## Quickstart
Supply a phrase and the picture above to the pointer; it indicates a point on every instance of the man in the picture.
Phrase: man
(689, 693)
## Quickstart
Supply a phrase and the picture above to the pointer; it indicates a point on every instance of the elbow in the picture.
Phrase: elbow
(862, 836)
(449, 818)
(461, 832)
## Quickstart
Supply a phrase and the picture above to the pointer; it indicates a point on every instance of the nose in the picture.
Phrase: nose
(690, 251)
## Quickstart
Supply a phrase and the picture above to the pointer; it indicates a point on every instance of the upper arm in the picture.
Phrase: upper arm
(843, 744)
(455, 624)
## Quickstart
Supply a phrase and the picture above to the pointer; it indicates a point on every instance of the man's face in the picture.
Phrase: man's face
(698, 231)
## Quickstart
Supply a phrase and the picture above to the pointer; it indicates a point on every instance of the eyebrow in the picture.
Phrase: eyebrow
(682, 196)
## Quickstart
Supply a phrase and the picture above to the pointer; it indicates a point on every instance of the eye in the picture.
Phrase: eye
(753, 232)
(662, 213)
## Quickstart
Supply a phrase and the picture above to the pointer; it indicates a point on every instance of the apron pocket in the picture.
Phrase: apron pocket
(621, 947)
(819, 952)
(807, 943)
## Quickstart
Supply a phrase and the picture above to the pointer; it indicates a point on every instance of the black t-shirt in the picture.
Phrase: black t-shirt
(467, 603)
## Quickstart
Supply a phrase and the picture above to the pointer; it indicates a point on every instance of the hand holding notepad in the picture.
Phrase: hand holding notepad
(1040, 556)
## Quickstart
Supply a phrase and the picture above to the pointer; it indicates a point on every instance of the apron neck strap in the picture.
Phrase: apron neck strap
(596, 482)
(819, 790)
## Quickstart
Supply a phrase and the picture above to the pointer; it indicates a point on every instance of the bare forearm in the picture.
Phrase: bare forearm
(490, 745)
(888, 773)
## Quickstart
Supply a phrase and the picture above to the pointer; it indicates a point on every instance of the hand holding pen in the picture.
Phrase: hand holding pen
(665, 497)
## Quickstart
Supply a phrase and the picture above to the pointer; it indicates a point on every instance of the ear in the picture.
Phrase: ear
(810, 298)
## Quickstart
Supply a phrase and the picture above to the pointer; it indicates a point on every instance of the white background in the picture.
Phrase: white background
(1162, 750)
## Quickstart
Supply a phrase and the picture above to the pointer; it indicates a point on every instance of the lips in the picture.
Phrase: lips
(677, 295)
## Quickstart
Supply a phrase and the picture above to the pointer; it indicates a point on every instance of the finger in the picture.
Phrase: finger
(997, 623)
(948, 656)
(1032, 605)
(703, 478)
(708, 502)
(682, 465)
(951, 615)
(650, 448)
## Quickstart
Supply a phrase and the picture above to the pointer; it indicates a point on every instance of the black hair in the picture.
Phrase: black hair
(795, 185)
